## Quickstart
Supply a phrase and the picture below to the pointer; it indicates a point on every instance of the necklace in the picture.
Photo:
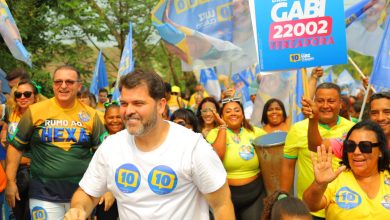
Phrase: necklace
(235, 137)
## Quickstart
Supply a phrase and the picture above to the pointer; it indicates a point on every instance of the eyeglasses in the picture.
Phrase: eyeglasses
(204, 111)
(26, 94)
(108, 104)
(231, 99)
(67, 82)
(364, 146)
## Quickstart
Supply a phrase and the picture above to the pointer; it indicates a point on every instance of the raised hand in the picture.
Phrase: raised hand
(323, 171)
(309, 108)
(317, 72)
(218, 118)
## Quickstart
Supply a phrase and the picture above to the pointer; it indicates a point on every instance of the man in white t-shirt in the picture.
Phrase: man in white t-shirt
(154, 168)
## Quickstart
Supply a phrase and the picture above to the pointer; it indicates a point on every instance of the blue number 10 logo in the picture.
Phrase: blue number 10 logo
(162, 180)
(127, 178)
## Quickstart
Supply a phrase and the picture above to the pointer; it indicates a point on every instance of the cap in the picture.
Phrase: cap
(176, 89)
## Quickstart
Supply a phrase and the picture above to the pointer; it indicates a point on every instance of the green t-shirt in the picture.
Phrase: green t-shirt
(60, 141)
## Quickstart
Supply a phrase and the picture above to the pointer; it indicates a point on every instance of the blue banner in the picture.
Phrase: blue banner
(293, 34)
(380, 76)
(364, 35)
(126, 65)
(209, 80)
(10, 33)
(207, 33)
(297, 114)
(99, 79)
(211, 17)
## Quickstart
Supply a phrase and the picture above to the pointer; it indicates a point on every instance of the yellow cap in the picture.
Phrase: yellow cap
(176, 89)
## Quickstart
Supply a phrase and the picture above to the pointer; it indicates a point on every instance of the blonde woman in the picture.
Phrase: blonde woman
(22, 96)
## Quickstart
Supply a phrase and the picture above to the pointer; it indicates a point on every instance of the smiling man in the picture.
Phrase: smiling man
(60, 132)
(156, 169)
(296, 152)
(379, 112)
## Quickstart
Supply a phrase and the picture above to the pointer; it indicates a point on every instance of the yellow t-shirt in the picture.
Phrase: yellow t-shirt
(346, 199)
(100, 107)
(240, 159)
(175, 102)
(192, 98)
(296, 147)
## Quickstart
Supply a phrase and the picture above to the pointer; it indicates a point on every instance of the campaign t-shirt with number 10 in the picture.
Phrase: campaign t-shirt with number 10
(346, 199)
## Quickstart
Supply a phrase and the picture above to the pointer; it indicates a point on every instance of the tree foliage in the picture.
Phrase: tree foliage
(67, 32)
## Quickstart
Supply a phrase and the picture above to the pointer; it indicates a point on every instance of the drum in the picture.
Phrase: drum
(269, 150)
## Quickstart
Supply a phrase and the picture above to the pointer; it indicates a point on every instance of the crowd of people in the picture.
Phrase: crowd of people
(155, 155)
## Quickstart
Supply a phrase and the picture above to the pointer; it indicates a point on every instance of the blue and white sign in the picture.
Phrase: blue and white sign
(300, 33)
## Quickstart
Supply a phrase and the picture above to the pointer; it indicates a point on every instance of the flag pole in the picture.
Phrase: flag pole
(360, 72)
(364, 102)
(305, 83)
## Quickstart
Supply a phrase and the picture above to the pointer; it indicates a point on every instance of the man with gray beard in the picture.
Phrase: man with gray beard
(155, 168)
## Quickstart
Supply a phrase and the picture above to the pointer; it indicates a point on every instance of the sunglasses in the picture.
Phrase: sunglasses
(108, 104)
(231, 99)
(364, 146)
(67, 82)
(26, 94)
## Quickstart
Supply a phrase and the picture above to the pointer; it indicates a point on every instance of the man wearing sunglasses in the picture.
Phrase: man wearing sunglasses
(379, 112)
(60, 133)
(156, 169)
(296, 152)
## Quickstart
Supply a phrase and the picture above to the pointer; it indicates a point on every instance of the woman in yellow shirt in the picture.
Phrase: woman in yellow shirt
(23, 95)
(232, 142)
(360, 189)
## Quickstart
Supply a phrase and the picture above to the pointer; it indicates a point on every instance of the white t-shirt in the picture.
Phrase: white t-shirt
(166, 183)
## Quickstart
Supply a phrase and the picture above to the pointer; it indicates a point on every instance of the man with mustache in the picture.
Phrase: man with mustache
(60, 132)
(379, 112)
(156, 169)
(296, 152)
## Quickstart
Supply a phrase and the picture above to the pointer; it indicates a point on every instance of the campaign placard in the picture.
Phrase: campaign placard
(300, 33)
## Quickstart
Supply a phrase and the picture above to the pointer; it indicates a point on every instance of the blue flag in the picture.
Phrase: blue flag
(380, 76)
(4, 82)
(329, 78)
(354, 12)
(242, 81)
(299, 92)
(99, 79)
(209, 80)
(364, 34)
(11, 35)
(207, 33)
(126, 64)
(346, 83)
